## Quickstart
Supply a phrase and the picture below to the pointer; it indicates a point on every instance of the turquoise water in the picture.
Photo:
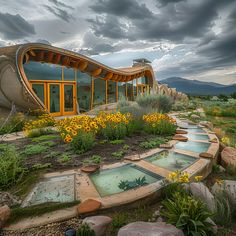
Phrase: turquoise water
(193, 146)
(171, 160)
(196, 130)
(107, 181)
(197, 136)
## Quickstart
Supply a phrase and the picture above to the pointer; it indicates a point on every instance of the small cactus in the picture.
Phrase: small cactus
(85, 230)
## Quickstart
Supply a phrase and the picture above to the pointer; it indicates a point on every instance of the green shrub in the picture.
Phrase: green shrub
(111, 132)
(223, 214)
(40, 166)
(95, 159)
(164, 127)
(119, 219)
(172, 188)
(215, 168)
(118, 154)
(153, 143)
(14, 124)
(38, 132)
(83, 142)
(126, 147)
(44, 138)
(157, 102)
(64, 158)
(85, 230)
(11, 169)
(34, 149)
(117, 141)
(188, 214)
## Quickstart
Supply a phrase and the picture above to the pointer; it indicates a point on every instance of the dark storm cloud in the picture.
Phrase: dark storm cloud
(14, 27)
(127, 8)
(61, 4)
(108, 26)
(61, 13)
(163, 3)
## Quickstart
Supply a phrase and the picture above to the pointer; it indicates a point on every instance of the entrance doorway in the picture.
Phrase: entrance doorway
(58, 97)
(141, 88)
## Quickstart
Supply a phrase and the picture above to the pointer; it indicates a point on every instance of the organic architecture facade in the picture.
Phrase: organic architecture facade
(39, 76)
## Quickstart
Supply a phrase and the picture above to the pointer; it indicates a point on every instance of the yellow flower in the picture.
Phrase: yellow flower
(173, 176)
(198, 178)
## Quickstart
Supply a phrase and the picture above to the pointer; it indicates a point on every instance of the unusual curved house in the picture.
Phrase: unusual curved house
(39, 76)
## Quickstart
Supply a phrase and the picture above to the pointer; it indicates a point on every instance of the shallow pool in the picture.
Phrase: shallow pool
(119, 179)
(193, 146)
(197, 136)
(171, 160)
(196, 130)
(54, 189)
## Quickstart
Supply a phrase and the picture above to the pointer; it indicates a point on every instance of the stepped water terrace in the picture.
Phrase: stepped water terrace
(194, 136)
(193, 146)
(122, 178)
(171, 160)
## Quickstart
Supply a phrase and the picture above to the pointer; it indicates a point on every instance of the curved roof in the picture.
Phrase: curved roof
(20, 54)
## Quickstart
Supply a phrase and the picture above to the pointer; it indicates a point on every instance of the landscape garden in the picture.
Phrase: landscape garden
(35, 145)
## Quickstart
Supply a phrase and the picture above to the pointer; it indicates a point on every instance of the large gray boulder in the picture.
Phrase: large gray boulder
(141, 228)
(98, 223)
(200, 191)
(227, 186)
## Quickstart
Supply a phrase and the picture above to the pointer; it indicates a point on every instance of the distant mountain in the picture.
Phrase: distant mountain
(195, 87)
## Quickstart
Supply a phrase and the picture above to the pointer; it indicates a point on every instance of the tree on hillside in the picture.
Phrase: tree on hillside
(233, 95)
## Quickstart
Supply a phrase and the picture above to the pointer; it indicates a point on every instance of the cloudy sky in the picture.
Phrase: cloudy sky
(194, 39)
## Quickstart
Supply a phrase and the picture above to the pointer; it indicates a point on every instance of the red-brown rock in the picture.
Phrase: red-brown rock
(90, 168)
(4, 215)
(88, 205)
(180, 131)
(180, 138)
(206, 155)
(228, 157)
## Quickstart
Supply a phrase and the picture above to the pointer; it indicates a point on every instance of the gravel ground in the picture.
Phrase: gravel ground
(53, 229)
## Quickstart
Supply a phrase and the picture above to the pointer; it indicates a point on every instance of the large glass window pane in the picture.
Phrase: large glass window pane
(83, 91)
(135, 87)
(111, 91)
(68, 97)
(39, 90)
(42, 71)
(54, 90)
(99, 96)
(130, 96)
(121, 90)
(69, 74)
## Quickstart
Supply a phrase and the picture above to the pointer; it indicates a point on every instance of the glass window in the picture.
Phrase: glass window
(135, 87)
(121, 90)
(111, 91)
(68, 97)
(130, 96)
(83, 91)
(99, 96)
(39, 91)
(54, 97)
(69, 74)
(42, 71)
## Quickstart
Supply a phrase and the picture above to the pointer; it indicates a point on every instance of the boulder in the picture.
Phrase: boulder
(4, 215)
(228, 157)
(207, 124)
(88, 205)
(98, 223)
(180, 131)
(90, 168)
(206, 155)
(200, 191)
(193, 116)
(8, 199)
(180, 138)
(141, 228)
(229, 187)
